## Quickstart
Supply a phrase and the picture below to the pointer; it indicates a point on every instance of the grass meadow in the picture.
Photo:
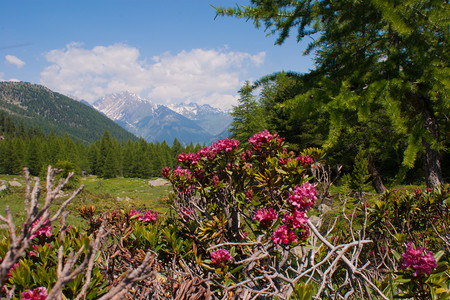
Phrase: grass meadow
(104, 194)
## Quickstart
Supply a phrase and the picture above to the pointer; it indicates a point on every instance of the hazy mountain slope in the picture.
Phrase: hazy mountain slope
(213, 120)
(154, 123)
(39, 106)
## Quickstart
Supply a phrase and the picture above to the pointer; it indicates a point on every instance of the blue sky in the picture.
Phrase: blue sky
(167, 51)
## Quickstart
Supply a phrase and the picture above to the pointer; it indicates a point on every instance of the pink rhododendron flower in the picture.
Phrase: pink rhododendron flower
(186, 213)
(249, 194)
(296, 219)
(283, 235)
(216, 181)
(303, 197)
(34, 253)
(265, 217)
(259, 138)
(46, 229)
(166, 172)
(226, 145)
(134, 213)
(190, 158)
(305, 160)
(220, 257)
(263, 138)
(418, 259)
(149, 216)
(181, 173)
(303, 233)
(39, 293)
(207, 152)
(246, 156)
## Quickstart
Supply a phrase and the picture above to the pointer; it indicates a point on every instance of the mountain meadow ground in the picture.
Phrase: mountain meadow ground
(104, 194)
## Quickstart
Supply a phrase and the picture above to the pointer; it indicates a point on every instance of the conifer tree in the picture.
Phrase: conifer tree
(375, 53)
(247, 116)
(108, 164)
(128, 159)
(33, 160)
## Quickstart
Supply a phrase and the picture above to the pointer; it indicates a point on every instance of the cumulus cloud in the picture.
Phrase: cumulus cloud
(198, 75)
(13, 60)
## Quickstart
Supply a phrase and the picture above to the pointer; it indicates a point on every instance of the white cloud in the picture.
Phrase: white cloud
(198, 75)
(13, 60)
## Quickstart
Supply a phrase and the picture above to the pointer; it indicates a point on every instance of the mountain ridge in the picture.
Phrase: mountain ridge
(189, 123)
(37, 105)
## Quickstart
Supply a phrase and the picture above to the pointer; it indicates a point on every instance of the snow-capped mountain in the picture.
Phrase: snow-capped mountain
(155, 123)
(214, 120)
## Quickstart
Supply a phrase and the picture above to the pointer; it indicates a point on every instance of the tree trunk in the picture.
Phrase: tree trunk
(433, 171)
(377, 182)
(432, 166)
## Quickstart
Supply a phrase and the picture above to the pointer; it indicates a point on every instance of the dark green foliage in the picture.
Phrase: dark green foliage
(106, 158)
(377, 61)
(360, 175)
(248, 117)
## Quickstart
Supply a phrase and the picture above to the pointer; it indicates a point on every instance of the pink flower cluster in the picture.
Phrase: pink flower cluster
(186, 213)
(305, 160)
(35, 251)
(216, 181)
(263, 138)
(284, 235)
(208, 153)
(39, 293)
(181, 173)
(190, 158)
(303, 197)
(247, 155)
(295, 226)
(166, 172)
(249, 194)
(148, 217)
(226, 145)
(46, 229)
(220, 257)
(297, 219)
(418, 259)
(14, 267)
(265, 217)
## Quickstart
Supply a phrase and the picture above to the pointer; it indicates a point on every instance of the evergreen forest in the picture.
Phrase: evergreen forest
(107, 157)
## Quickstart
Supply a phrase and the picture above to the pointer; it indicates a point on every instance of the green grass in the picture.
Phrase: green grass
(104, 194)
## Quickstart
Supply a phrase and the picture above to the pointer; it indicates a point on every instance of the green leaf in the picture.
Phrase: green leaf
(438, 255)
(396, 255)
(237, 269)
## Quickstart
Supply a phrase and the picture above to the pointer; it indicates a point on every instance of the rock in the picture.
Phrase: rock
(297, 251)
(14, 183)
(158, 182)
(323, 208)
(127, 199)
(315, 220)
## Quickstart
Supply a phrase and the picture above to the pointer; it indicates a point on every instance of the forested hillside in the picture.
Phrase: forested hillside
(107, 157)
(35, 105)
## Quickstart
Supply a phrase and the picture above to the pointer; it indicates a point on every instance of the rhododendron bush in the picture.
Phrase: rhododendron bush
(241, 226)
(245, 211)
